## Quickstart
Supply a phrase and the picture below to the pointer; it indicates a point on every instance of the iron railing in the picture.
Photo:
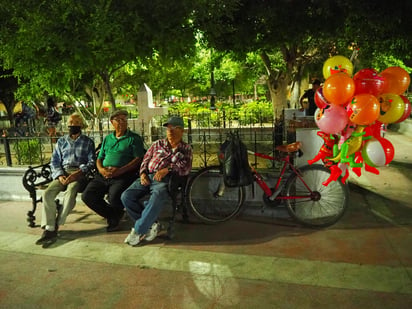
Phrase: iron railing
(204, 133)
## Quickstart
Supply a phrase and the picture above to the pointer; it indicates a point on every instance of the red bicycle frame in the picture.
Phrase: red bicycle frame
(275, 194)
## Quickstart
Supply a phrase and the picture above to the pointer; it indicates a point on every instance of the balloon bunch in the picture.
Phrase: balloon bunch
(352, 112)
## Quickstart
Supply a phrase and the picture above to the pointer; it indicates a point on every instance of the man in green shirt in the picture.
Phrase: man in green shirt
(118, 164)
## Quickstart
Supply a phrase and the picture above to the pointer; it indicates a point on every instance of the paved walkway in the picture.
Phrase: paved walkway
(363, 261)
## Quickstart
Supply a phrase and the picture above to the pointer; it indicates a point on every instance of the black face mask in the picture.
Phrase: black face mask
(73, 130)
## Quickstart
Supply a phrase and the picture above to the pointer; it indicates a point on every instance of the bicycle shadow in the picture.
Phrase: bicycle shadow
(362, 213)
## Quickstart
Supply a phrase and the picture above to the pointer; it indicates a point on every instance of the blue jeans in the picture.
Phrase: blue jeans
(145, 215)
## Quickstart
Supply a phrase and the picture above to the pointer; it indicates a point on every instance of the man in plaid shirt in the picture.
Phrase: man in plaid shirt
(164, 156)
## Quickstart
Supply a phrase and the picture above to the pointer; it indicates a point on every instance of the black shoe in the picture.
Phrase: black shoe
(47, 236)
(113, 225)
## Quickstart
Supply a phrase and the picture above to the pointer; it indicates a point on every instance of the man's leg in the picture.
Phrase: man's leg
(69, 201)
(93, 196)
(117, 187)
(131, 199)
(153, 207)
(49, 212)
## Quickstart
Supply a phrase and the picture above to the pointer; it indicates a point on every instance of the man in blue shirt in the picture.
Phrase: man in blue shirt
(72, 158)
(118, 166)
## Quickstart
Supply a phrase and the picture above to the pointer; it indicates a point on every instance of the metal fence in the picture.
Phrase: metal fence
(204, 132)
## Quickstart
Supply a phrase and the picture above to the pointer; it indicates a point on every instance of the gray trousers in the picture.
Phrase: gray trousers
(49, 213)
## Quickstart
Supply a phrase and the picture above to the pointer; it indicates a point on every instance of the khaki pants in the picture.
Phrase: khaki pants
(49, 213)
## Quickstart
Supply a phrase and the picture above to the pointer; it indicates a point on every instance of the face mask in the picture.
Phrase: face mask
(73, 130)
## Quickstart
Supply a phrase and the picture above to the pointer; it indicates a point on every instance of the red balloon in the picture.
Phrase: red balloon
(320, 100)
(368, 81)
(407, 111)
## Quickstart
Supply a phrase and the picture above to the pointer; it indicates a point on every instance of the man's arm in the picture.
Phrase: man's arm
(56, 162)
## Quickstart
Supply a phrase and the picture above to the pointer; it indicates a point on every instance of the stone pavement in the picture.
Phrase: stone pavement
(365, 260)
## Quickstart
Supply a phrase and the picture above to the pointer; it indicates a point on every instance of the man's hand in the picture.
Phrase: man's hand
(74, 176)
(160, 174)
(62, 179)
(107, 172)
(144, 179)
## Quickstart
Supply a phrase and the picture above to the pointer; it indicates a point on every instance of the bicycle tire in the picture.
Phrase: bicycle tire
(206, 204)
(326, 205)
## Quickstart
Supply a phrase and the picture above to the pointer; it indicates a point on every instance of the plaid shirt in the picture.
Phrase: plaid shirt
(69, 153)
(160, 155)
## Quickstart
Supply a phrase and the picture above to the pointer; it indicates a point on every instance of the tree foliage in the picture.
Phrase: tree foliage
(304, 33)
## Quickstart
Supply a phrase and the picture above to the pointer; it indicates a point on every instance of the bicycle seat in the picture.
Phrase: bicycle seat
(289, 147)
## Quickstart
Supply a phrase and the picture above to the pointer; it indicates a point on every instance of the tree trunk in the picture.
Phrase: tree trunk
(106, 80)
(277, 84)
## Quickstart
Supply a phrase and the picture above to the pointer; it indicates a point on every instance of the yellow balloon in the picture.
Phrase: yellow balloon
(337, 64)
(392, 107)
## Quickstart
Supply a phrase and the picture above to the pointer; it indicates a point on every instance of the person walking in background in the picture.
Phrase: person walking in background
(164, 156)
(117, 164)
(310, 96)
(53, 117)
(72, 159)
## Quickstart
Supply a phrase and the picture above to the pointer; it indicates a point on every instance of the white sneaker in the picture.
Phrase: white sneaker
(132, 239)
(152, 232)
(126, 240)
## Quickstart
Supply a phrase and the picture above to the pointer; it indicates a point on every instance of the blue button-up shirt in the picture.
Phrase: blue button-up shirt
(69, 153)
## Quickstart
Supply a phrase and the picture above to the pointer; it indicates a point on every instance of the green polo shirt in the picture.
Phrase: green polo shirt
(118, 152)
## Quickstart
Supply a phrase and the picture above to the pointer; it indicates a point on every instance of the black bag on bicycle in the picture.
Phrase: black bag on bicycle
(235, 162)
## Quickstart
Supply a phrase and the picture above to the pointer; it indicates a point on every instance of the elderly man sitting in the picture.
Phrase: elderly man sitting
(72, 158)
(164, 156)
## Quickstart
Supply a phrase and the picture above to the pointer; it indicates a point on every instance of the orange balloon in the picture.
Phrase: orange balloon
(392, 107)
(363, 109)
(397, 80)
(339, 88)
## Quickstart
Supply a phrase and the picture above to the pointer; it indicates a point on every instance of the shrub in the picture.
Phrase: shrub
(28, 151)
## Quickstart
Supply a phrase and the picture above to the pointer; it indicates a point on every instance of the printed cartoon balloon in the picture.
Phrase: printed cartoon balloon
(407, 111)
(320, 100)
(339, 88)
(363, 109)
(392, 107)
(397, 80)
(331, 119)
(337, 64)
(368, 81)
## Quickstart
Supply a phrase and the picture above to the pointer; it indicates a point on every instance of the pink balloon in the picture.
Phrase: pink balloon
(332, 119)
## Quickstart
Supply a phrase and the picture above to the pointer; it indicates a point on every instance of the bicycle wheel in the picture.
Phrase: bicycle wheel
(323, 206)
(210, 200)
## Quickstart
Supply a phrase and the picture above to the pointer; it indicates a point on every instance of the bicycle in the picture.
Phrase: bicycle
(307, 200)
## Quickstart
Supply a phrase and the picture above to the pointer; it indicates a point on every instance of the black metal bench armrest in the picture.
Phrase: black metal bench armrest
(37, 176)
(177, 184)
